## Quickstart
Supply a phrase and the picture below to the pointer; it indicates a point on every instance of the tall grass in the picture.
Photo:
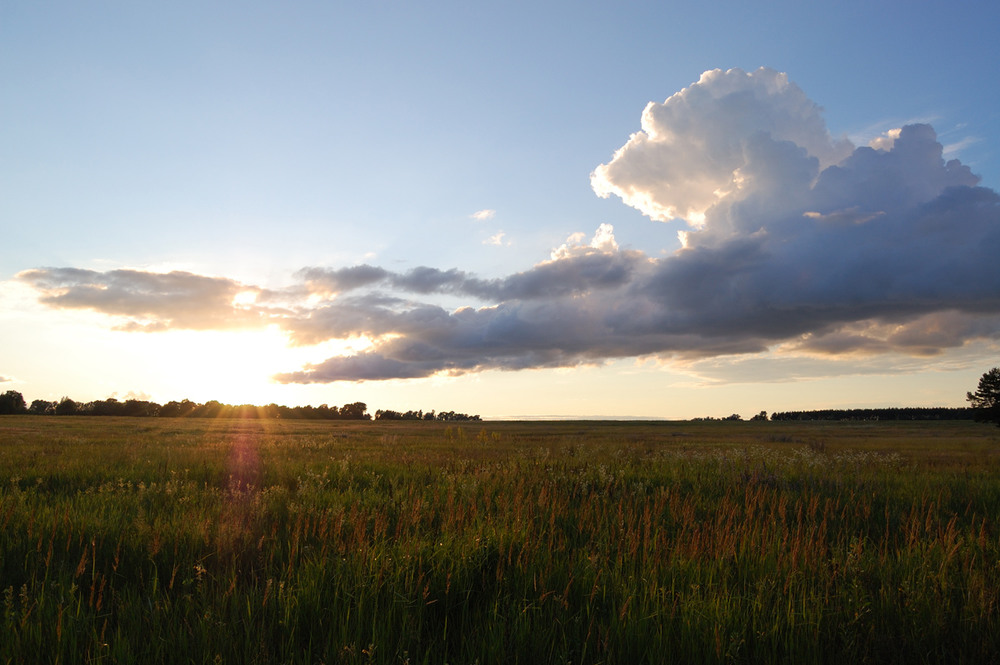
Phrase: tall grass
(270, 542)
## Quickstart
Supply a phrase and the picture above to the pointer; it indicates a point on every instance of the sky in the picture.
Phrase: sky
(545, 209)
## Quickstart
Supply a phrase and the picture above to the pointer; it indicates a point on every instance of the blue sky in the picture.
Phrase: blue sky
(249, 142)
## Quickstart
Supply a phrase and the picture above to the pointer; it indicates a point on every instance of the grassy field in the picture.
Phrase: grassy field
(227, 541)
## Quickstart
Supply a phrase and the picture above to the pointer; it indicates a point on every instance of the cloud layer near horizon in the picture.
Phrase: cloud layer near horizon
(797, 241)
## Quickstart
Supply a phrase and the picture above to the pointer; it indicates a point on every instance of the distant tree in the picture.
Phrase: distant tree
(210, 409)
(177, 409)
(139, 408)
(985, 402)
(735, 416)
(41, 407)
(355, 411)
(12, 402)
(108, 407)
(760, 416)
(66, 407)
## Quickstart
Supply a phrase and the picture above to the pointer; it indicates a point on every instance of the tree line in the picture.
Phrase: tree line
(421, 415)
(889, 413)
(903, 413)
(984, 406)
(12, 402)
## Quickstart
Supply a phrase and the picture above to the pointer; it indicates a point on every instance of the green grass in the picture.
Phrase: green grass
(148, 540)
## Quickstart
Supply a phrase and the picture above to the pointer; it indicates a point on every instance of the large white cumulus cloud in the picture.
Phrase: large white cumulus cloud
(692, 149)
(799, 243)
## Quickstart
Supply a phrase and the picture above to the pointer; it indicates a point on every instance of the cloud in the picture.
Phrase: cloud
(483, 215)
(342, 279)
(497, 240)
(604, 240)
(4, 379)
(798, 245)
(150, 301)
(690, 152)
(958, 146)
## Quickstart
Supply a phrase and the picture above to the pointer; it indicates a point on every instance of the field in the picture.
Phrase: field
(229, 541)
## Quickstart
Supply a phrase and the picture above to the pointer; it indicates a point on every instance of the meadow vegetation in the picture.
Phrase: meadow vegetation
(267, 541)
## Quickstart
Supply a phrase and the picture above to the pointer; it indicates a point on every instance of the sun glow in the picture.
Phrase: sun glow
(245, 298)
(236, 367)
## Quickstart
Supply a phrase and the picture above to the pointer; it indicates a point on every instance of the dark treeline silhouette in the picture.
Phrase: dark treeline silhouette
(420, 415)
(12, 402)
(905, 413)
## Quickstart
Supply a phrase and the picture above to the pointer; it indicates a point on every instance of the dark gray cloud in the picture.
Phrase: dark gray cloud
(797, 242)
(584, 271)
(342, 279)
